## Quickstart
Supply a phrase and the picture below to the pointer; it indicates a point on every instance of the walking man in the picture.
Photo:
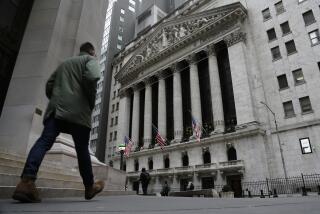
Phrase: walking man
(71, 91)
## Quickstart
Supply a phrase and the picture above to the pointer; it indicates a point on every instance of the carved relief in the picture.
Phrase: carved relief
(234, 38)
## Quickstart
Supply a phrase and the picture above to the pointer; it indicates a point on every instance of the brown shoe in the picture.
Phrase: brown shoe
(26, 192)
(90, 192)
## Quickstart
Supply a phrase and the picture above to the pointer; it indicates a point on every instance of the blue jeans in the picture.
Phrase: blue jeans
(52, 128)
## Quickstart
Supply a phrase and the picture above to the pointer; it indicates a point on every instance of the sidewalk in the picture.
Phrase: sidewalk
(167, 205)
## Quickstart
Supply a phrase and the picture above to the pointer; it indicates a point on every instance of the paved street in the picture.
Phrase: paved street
(168, 205)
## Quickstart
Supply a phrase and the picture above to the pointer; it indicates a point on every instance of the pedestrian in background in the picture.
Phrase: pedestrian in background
(165, 189)
(144, 179)
(71, 91)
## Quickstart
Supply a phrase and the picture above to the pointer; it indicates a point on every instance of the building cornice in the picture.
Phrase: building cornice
(252, 130)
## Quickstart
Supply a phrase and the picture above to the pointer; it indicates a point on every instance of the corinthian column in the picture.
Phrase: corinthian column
(124, 116)
(240, 78)
(162, 111)
(195, 89)
(147, 115)
(135, 116)
(177, 105)
(215, 89)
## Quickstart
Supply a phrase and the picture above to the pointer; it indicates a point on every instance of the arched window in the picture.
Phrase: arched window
(136, 165)
(206, 157)
(232, 154)
(166, 162)
(185, 159)
(150, 163)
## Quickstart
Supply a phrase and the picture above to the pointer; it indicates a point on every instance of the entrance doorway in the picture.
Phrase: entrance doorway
(207, 183)
(183, 184)
(235, 182)
(135, 186)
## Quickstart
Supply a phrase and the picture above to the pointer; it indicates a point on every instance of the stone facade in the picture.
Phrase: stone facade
(216, 56)
(54, 32)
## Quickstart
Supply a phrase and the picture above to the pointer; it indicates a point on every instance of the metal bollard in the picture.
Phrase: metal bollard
(275, 194)
(261, 194)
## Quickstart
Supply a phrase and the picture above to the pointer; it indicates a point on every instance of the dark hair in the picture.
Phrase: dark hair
(143, 169)
(86, 47)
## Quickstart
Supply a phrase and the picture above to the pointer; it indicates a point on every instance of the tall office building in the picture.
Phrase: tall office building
(151, 12)
(247, 71)
(118, 31)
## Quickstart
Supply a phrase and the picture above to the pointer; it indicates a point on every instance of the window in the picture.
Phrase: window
(285, 28)
(131, 9)
(298, 77)
(314, 37)
(282, 80)
(120, 29)
(110, 138)
(114, 94)
(116, 121)
(150, 164)
(117, 108)
(308, 18)
(132, 2)
(111, 122)
(279, 7)
(166, 162)
(118, 92)
(112, 108)
(288, 109)
(305, 104)
(271, 34)
(122, 11)
(232, 154)
(185, 159)
(266, 14)
(136, 165)
(121, 19)
(275, 53)
(115, 135)
(305, 145)
(291, 47)
(119, 46)
(120, 37)
(319, 65)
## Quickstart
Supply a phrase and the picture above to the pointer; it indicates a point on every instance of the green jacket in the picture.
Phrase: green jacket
(71, 90)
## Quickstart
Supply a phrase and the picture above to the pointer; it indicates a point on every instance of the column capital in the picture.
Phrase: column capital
(235, 38)
(174, 67)
(148, 81)
(137, 87)
(123, 93)
(191, 59)
(210, 50)
(161, 74)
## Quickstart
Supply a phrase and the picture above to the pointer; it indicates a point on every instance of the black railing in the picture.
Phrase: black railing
(272, 187)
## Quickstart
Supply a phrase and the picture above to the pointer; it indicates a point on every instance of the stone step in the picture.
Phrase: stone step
(13, 170)
(19, 164)
(7, 191)
(12, 180)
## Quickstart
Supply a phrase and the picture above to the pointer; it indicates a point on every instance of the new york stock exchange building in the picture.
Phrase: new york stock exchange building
(247, 71)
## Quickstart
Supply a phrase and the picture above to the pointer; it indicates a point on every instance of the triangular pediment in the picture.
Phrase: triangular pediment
(173, 33)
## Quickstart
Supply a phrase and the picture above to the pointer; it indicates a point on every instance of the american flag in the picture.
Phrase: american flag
(128, 143)
(196, 128)
(159, 139)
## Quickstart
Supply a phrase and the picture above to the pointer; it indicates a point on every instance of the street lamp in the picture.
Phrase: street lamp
(280, 145)
(121, 148)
